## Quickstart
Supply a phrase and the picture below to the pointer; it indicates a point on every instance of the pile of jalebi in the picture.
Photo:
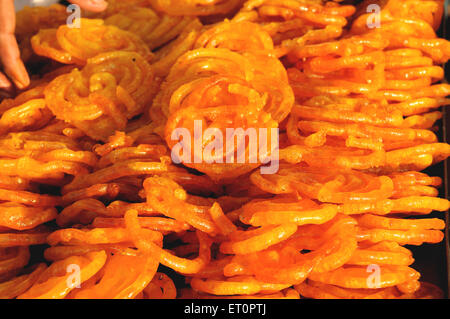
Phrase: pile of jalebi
(167, 35)
(242, 91)
(370, 101)
(297, 22)
(100, 199)
(100, 98)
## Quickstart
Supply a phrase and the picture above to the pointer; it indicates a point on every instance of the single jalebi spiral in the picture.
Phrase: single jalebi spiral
(112, 88)
(226, 34)
(75, 45)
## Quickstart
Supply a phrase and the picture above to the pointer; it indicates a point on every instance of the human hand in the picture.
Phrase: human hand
(91, 5)
(10, 62)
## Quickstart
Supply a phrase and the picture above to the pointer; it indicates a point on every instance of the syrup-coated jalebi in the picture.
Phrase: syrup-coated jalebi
(110, 89)
(71, 45)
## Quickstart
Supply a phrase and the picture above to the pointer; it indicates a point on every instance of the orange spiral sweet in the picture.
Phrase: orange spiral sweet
(108, 89)
(63, 44)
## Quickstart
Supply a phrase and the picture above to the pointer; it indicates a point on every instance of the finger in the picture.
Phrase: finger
(6, 88)
(7, 17)
(91, 5)
(4, 82)
(9, 50)
(12, 64)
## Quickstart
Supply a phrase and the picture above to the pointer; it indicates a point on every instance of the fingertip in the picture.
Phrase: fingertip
(19, 75)
(13, 66)
(24, 79)
(6, 88)
(5, 84)
(102, 5)
(92, 5)
(22, 84)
